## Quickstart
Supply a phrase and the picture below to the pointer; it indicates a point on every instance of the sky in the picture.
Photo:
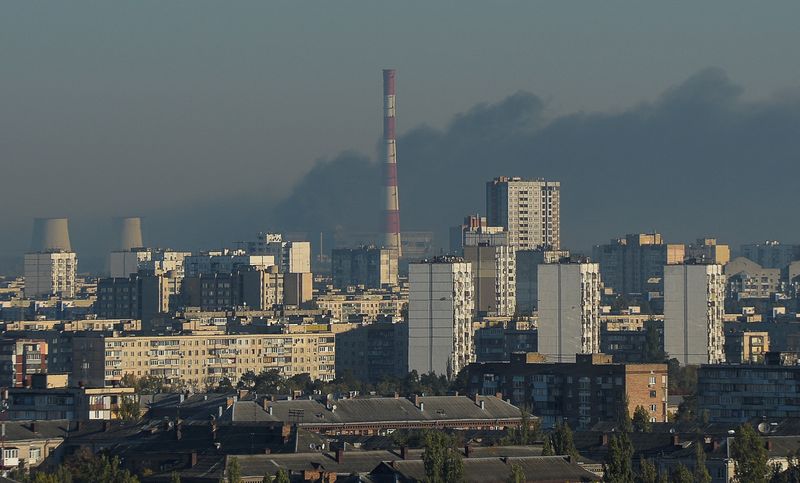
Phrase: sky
(216, 120)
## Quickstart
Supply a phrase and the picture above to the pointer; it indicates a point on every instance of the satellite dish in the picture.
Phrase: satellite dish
(763, 428)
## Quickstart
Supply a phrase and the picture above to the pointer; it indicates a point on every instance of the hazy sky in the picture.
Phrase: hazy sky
(162, 108)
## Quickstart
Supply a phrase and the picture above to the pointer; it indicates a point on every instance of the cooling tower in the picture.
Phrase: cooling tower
(129, 233)
(51, 235)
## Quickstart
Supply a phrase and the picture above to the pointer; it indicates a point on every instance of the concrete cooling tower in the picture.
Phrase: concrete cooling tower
(129, 233)
(51, 235)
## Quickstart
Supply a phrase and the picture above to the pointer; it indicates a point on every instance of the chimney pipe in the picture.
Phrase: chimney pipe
(403, 452)
(339, 455)
(129, 233)
(467, 450)
(392, 206)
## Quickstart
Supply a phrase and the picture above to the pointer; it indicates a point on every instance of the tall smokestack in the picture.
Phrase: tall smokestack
(51, 235)
(129, 233)
(392, 221)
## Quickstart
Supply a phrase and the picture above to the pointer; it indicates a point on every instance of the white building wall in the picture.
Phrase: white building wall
(440, 317)
(122, 264)
(528, 209)
(50, 273)
(694, 307)
(569, 310)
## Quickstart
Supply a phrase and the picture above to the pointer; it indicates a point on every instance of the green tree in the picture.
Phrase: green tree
(281, 476)
(647, 472)
(653, 348)
(529, 431)
(175, 477)
(517, 475)
(624, 416)
(701, 474)
(563, 442)
(681, 474)
(618, 467)
(443, 464)
(749, 455)
(234, 471)
(128, 410)
(547, 447)
(641, 420)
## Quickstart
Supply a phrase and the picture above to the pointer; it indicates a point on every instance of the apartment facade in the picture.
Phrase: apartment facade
(527, 276)
(440, 311)
(584, 392)
(528, 209)
(50, 273)
(569, 310)
(366, 306)
(493, 277)
(635, 264)
(694, 309)
(369, 266)
(20, 359)
(203, 360)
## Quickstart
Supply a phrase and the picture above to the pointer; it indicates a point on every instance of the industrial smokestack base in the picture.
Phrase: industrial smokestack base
(51, 235)
(392, 201)
(129, 233)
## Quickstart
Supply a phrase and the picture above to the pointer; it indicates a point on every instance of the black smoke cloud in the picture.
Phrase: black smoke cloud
(700, 160)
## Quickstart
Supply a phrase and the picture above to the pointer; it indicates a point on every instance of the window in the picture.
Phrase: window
(10, 453)
(652, 380)
(34, 454)
(653, 408)
(652, 394)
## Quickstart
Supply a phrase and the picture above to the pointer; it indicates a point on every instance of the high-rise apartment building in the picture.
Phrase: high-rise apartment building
(493, 278)
(528, 209)
(635, 264)
(290, 256)
(694, 307)
(143, 296)
(707, 250)
(50, 273)
(569, 310)
(527, 276)
(368, 266)
(771, 253)
(440, 310)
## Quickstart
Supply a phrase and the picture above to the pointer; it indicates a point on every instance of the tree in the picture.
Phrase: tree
(281, 476)
(749, 455)
(175, 477)
(681, 474)
(624, 416)
(647, 472)
(442, 462)
(547, 447)
(128, 410)
(653, 348)
(618, 467)
(641, 420)
(701, 474)
(529, 431)
(234, 471)
(563, 443)
(517, 475)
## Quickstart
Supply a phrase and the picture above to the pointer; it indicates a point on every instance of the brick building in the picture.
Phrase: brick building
(583, 393)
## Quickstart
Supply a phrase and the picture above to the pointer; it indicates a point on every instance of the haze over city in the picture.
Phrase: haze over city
(380, 242)
(214, 122)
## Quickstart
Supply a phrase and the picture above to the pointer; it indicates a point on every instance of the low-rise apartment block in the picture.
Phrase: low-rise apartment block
(583, 393)
(203, 360)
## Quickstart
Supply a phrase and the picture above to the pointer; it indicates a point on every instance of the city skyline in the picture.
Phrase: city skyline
(80, 113)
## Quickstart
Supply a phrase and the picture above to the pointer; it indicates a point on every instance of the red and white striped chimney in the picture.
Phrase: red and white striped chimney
(392, 220)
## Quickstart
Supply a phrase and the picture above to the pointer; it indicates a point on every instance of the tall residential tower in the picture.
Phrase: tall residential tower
(528, 209)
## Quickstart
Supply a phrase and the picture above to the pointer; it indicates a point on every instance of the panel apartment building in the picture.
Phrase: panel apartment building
(203, 360)
(528, 209)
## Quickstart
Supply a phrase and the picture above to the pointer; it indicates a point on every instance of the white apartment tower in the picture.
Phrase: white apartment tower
(528, 209)
(694, 307)
(290, 256)
(569, 310)
(51, 265)
(440, 310)
(493, 274)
